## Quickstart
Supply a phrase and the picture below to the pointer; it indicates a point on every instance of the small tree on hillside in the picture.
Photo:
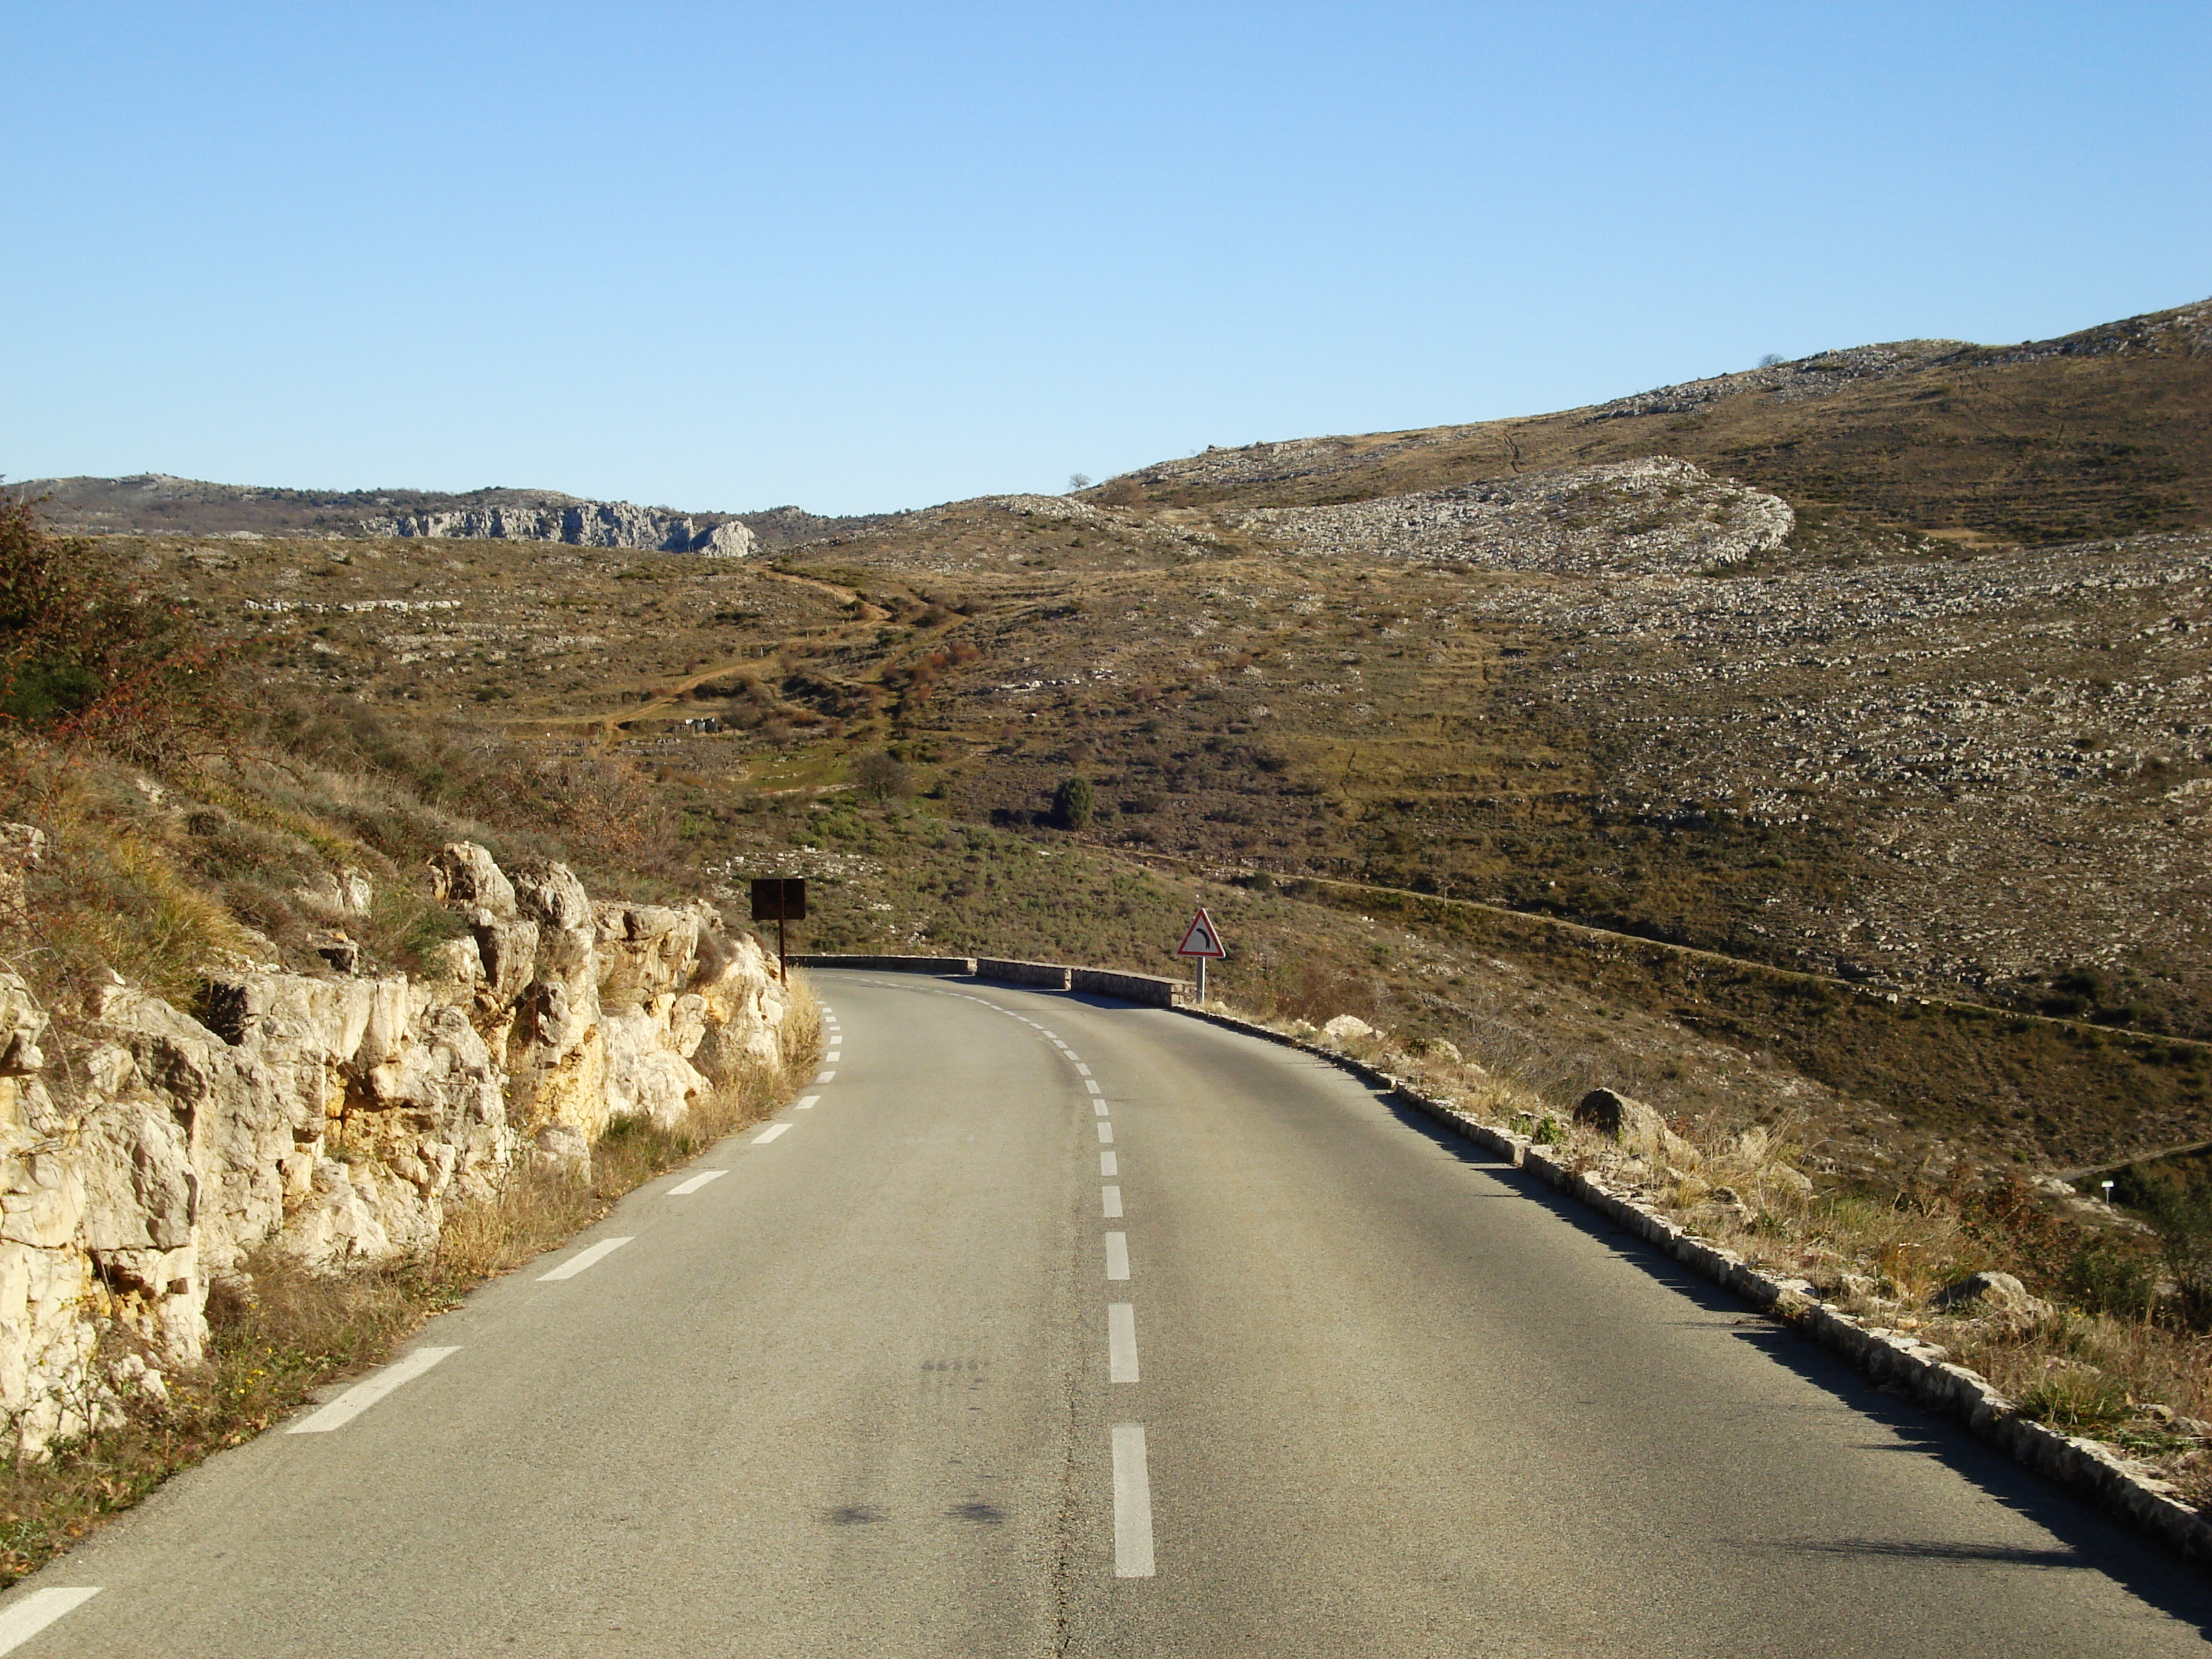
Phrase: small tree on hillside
(85, 655)
(1072, 802)
(882, 777)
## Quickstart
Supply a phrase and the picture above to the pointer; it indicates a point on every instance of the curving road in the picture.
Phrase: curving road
(1046, 1325)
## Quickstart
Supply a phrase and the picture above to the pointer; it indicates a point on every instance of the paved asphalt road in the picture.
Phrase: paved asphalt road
(1057, 1326)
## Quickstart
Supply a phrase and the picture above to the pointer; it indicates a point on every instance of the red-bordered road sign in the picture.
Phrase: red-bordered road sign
(1202, 939)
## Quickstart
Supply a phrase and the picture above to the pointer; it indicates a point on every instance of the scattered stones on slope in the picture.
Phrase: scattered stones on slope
(1643, 518)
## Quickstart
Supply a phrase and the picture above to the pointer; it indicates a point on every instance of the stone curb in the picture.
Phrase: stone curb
(2088, 1467)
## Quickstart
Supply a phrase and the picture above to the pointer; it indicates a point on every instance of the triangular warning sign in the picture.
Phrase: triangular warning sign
(1203, 938)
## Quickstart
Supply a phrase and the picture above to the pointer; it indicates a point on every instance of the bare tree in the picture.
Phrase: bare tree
(882, 777)
(1078, 481)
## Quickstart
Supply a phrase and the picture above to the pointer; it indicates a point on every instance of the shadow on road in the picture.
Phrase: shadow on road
(2088, 1539)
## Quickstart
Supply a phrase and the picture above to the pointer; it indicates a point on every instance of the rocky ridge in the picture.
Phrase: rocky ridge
(585, 524)
(338, 1117)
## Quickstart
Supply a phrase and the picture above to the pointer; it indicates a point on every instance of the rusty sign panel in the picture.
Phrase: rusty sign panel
(779, 898)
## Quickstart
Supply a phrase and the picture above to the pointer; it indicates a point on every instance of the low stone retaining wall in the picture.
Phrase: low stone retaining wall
(888, 964)
(1151, 990)
(1051, 976)
(2088, 1467)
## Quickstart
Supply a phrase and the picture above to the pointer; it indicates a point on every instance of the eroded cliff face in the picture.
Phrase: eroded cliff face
(338, 1116)
(584, 523)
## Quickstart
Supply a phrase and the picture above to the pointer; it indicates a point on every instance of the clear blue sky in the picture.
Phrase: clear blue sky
(861, 256)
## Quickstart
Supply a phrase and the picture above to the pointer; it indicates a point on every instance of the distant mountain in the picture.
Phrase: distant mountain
(157, 504)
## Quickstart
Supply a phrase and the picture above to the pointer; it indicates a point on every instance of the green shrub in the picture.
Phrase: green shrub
(1072, 802)
(2104, 1279)
(84, 654)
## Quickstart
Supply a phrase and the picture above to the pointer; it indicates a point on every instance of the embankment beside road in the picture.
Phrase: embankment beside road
(339, 1118)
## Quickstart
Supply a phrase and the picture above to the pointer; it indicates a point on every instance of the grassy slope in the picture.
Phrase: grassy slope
(2113, 437)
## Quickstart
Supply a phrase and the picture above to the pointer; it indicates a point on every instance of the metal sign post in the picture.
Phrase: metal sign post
(779, 899)
(1201, 941)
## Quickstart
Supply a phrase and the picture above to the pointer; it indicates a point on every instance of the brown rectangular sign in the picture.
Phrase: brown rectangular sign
(779, 898)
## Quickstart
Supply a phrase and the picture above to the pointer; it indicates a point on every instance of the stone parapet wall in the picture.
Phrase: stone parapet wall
(890, 964)
(1051, 976)
(1149, 988)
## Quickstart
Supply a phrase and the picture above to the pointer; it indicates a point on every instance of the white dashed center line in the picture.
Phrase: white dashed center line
(1133, 1504)
(19, 1623)
(1110, 1202)
(1105, 1135)
(366, 1392)
(1108, 1164)
(696, 1182)
(824, 1077)
(804, 1102)
(1081, 1069)
(583, 1259)
(835, 1054)
(1092, 1084)
(1117, 1255)
(770, 1134)
(1122, 1342)
(1100, 1107)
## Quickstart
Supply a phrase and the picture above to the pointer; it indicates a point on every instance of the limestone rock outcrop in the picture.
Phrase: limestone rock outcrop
(580, 524)
(337, 1116)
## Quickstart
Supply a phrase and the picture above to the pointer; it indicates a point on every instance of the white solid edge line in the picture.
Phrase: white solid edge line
(19, 1623)
(583, 1259)
(769, 1134)
(804, 1102)
(1100, 1108)
(366, 1392)
(696, 1182)
(1110, 1200)
(1108, 1164)
(1133, 1504)
(1117, 1255)
(1122, 1342)
(1105, 1135)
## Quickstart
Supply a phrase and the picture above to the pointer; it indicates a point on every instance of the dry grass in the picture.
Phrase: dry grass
(284, 1332)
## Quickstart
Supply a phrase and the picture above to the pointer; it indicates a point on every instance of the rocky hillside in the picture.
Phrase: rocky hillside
(155, 504)
(1854, 710)
(2105, 432)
